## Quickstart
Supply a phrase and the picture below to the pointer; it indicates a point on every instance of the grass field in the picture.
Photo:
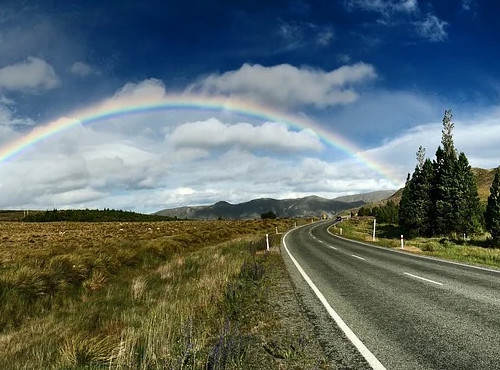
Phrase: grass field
(474, 250)
(190, 294)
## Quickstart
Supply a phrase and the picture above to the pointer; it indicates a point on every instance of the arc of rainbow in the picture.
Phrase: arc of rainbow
(134, 105)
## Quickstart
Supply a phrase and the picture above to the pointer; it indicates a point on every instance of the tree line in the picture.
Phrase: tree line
(441, 196)
(92, 215)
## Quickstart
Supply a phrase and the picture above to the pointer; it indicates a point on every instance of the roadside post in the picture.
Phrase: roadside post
(374, 225)
(340, 231)
(267, 242)
(402, 241)
(276, 229)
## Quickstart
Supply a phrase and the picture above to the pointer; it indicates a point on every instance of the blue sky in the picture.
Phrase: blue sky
(378, 73)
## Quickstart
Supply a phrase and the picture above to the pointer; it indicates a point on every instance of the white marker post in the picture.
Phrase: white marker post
(340, 231)
(267, 242)
(402, 241)
(276, 229)
(374, 225)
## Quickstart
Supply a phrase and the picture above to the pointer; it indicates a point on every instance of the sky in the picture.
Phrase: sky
(146, 105)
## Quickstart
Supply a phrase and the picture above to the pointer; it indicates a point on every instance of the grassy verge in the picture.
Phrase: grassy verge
(146, 295)
(469, 251)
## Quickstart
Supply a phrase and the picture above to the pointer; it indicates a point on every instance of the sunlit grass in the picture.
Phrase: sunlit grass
(141, 295)
(468, 251)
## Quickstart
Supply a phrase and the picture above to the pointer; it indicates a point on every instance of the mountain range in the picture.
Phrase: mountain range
(311, 206)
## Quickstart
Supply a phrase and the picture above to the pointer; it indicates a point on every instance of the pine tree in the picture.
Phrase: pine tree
(492, 214)
(422, 189)
(406, 213)
(445, 185)
(467, 201)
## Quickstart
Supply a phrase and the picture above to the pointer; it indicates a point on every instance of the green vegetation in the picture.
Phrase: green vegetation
(388, 235)
(144, 295)
(387, 213)
(268, 215)
(492, 213)
(441, 197)
(92, 215)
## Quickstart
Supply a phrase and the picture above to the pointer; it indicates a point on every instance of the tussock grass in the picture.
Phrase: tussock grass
(468, 251)
(118, 295)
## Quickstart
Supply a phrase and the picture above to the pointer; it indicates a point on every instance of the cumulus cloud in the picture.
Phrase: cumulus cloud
(82, 69)
(31, 75)
(287, 85)
(273, 136)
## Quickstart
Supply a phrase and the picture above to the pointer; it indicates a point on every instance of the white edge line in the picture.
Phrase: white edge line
(365, 352)
(361, 258)
(413, 255)
(422, 278)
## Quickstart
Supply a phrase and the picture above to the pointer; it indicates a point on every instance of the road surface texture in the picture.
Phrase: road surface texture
(400, 311)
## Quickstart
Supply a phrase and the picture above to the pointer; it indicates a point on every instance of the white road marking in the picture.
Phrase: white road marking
(422, 278)
(365, 352)
(332, 247)
(361, 258)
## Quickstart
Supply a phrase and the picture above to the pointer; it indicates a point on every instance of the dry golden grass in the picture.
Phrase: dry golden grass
(118, 295)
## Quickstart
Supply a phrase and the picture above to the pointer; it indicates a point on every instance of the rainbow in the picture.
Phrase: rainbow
(121, 107)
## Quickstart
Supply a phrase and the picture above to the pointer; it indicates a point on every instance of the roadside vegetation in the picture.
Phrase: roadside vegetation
(440, 212)
(147, 295)
(473, 250)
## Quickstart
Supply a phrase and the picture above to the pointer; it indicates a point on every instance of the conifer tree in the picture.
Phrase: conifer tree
(492, 214)
(422, 188)
(467, 200)
(445, 184)
(405, 214)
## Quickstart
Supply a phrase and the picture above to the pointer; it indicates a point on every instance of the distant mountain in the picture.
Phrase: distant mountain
(374, 196)
(312, 206)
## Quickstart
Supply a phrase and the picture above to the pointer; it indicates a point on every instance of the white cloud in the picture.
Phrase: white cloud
(272, 136)
(82, 69)
(296, 35)
(30, 75)
(8, 119)
(477, 136)
(146, 162)
(325, 37)
(384, 7)
(432, 28)
(287, 85)
(394, 12)
(468, 4)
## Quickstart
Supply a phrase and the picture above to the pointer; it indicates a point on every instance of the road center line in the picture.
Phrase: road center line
(365, 352)
(358, 257)
(332, 247)
(424, 279)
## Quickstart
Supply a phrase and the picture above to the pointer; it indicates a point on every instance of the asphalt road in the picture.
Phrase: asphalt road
(408, 312)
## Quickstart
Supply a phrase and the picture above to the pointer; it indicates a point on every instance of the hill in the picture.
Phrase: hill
(311, 206)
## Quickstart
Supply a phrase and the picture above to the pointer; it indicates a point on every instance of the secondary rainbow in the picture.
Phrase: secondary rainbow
(136, 105)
